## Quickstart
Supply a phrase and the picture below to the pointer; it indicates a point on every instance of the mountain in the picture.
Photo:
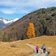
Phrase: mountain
(44, 21)
(4, 22)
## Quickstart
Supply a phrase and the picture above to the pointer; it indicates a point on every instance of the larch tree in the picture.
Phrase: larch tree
(31, 30)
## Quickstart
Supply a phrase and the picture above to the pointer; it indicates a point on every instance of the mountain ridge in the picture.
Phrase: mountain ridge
(43, 19)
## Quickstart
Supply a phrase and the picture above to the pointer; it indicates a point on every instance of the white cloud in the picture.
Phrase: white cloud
(18, 6)
(8, 11)
(13, 11)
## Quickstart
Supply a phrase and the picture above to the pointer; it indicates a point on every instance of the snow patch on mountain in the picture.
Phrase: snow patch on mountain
(4, 22)
(8, 21)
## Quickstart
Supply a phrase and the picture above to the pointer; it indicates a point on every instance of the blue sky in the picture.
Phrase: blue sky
(11, 9)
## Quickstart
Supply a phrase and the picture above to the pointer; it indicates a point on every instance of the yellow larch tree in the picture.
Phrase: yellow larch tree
(31, 30)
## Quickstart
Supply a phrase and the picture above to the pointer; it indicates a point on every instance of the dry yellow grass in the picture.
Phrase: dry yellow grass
(19, 48)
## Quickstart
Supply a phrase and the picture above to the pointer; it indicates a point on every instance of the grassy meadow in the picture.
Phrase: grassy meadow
(19, 48)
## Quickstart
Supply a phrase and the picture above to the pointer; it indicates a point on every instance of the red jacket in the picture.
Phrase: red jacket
(37, 48)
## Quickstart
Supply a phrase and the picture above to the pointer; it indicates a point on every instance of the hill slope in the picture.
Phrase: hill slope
(19, 48)
(43, 19)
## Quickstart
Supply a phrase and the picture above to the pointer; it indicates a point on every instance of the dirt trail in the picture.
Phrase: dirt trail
(36, 54)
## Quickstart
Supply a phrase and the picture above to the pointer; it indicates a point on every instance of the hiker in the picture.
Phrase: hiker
(37, 49)
(44, 48)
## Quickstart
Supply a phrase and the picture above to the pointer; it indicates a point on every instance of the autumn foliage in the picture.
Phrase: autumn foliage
(31, 30)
